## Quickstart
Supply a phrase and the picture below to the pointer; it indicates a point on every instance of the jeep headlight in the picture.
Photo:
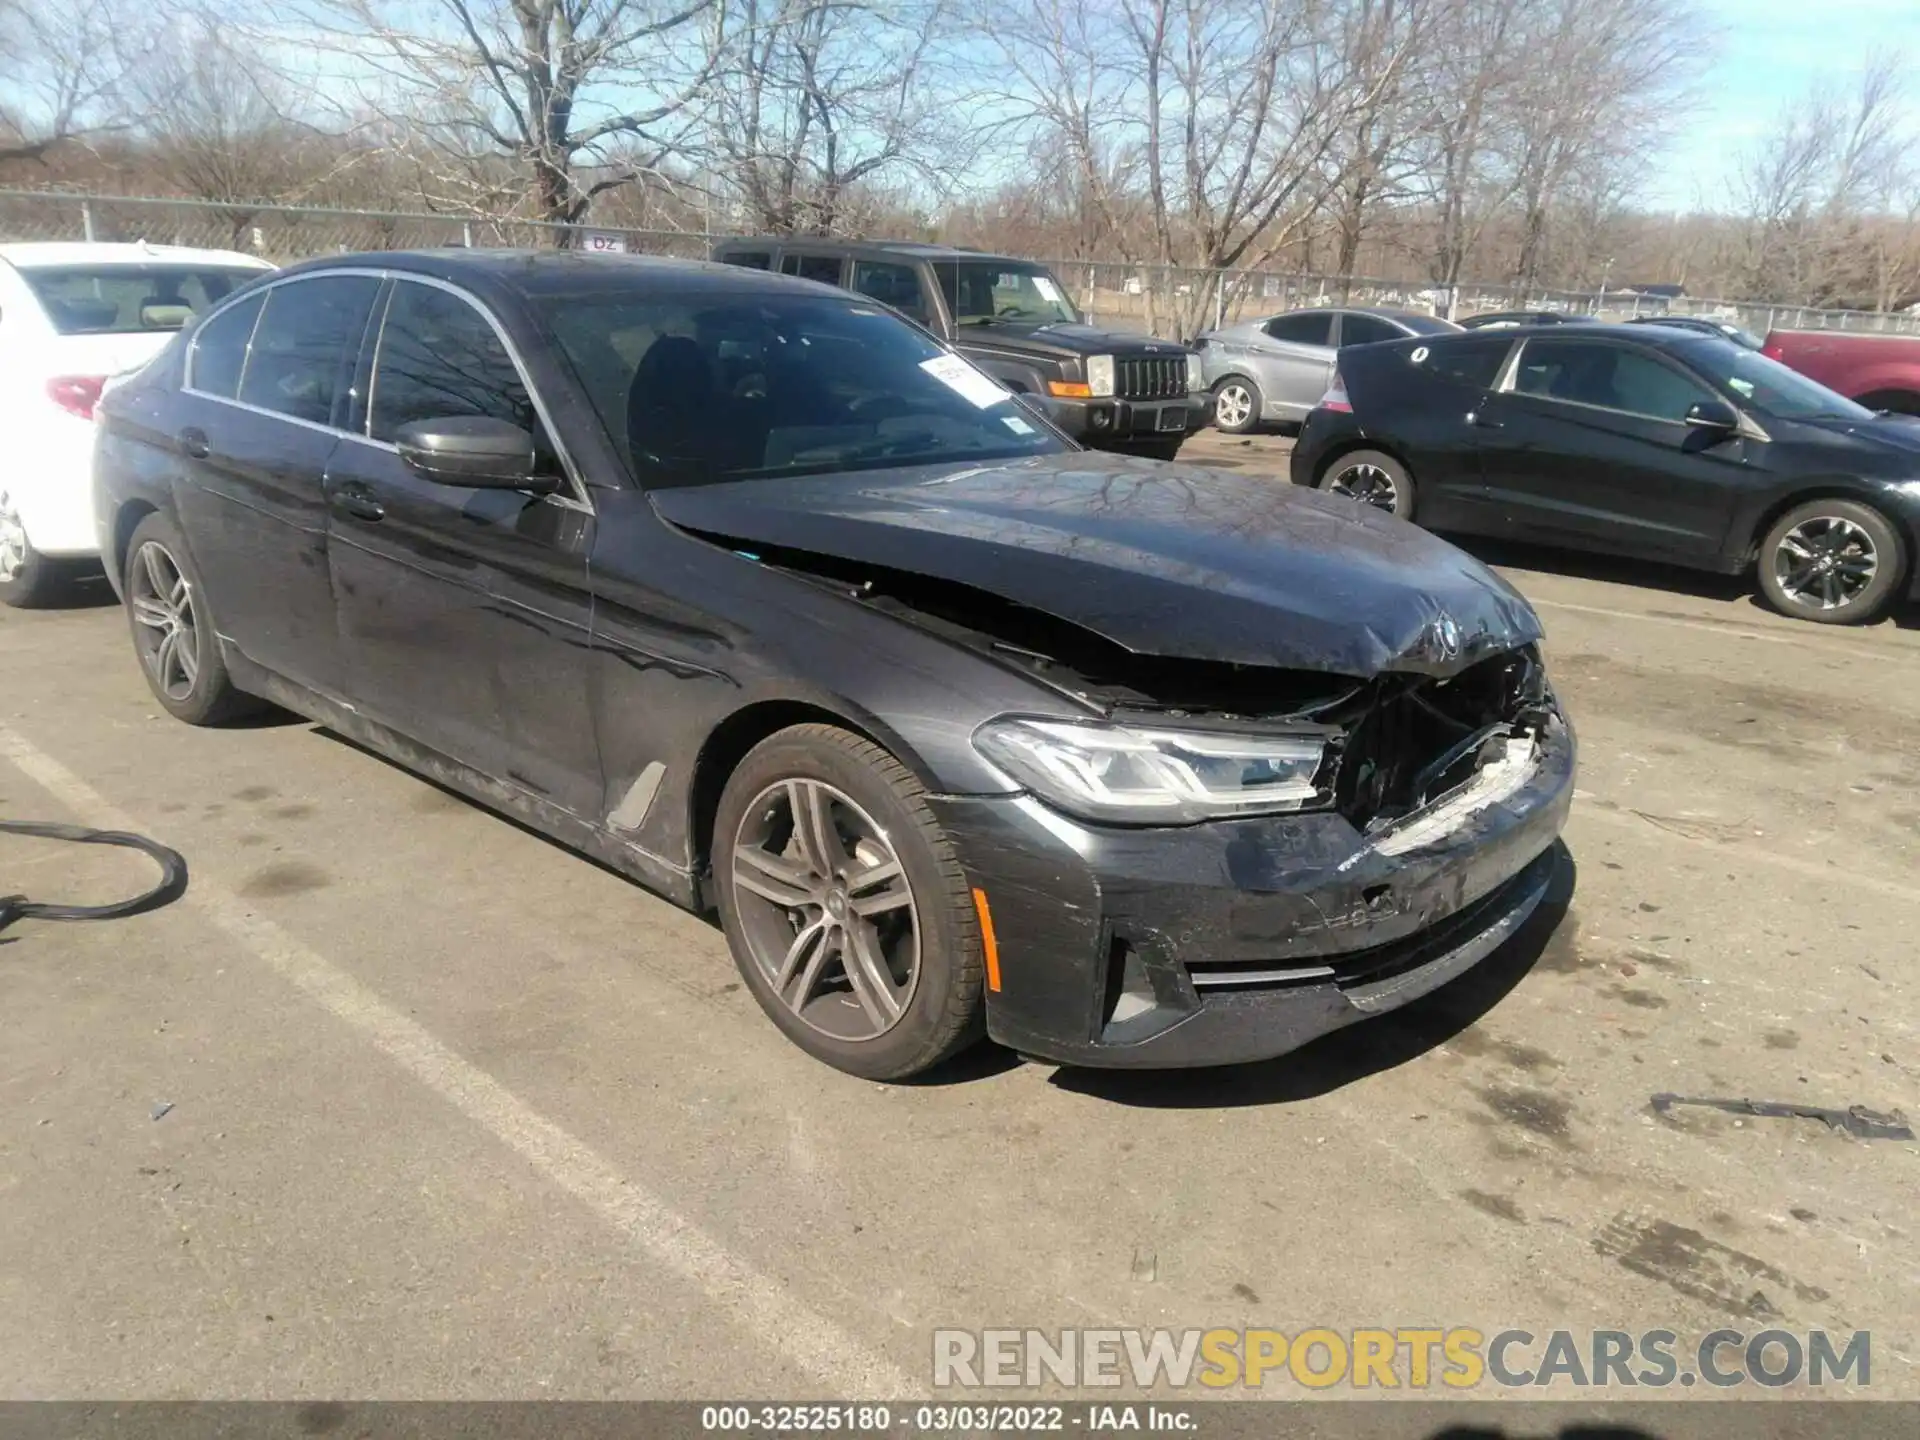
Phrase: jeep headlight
(1153, 776)
(1196, 376)
(1100, 374)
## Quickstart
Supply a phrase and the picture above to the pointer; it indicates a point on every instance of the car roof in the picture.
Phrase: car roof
(916, 249)
(563, 272)
(47, 254)
(1673, 337)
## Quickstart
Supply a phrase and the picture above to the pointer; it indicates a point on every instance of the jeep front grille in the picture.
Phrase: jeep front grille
(1151, 377)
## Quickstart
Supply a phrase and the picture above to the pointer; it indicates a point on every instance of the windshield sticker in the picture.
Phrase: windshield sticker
(1745, 387)
(965, 381)
(1048, 290)
(1017, 425)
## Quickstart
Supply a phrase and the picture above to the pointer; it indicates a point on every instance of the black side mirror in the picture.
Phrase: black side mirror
(475, 451)
(1713, 416)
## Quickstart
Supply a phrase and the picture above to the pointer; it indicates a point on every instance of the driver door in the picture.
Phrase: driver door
(463, 612)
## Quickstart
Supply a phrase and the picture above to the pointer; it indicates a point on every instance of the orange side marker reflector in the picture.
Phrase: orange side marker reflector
(986, 938)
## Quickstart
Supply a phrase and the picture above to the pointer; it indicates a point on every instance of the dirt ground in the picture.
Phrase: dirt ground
(403, 1101)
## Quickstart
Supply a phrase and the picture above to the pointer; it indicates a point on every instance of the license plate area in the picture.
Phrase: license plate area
(1174, 417)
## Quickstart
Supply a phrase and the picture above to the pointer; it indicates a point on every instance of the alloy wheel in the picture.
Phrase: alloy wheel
(826, 909)
(1368, 484)
(1232, 406)
(1825, 562)
(167, 634)
(13, 539)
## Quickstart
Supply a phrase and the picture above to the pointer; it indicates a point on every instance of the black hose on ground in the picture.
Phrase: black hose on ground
(173, 875)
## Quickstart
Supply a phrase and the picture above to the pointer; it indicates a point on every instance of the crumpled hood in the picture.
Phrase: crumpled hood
(1166, 560)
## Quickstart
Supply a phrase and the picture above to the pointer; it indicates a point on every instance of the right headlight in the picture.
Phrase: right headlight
(1100, 374)
(1155, 776)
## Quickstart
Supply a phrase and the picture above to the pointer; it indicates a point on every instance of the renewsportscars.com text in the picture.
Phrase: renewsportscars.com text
(1457, 1358)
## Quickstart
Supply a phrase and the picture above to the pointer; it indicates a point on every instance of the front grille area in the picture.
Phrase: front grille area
(1151, 377)
(1411, 738)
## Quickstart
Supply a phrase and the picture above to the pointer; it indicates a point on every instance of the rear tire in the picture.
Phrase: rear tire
(174, 636)
(28, 579)
(1236, 405)
(845, 907)
(1371, 477)
(1834, 562)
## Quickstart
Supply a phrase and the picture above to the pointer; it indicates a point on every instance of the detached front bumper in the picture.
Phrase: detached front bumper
(1241, 940)
(1114, 422)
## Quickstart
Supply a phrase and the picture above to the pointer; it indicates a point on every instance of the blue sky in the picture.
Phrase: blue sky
(1768, 52)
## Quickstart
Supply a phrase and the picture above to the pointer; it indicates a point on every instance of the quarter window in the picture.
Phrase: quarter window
(1611, 377)
(305, 345)
(440, 358)
(220, 349)
(1311, 328)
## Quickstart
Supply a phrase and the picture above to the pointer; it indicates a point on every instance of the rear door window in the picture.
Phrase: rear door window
(1366, 330)
(895, 285)
(305, 346)
(1311, 328)
(748, 259)
(824, 268)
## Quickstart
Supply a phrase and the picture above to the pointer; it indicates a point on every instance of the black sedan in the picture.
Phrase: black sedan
(1642, 440)
(752, 590)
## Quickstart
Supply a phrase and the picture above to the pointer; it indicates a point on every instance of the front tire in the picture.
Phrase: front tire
(1372, 478)
(173, 633)
(1236, 405)
(28, 579)
(845, 906)
(1834, 562)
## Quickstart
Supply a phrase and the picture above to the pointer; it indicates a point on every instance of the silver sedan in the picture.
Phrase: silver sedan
(1276, 369)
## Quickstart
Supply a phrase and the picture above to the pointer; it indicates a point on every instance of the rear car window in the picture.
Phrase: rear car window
(130, 299)
(824, 268)
(748, 259)
(305, 345)
(1366, 330)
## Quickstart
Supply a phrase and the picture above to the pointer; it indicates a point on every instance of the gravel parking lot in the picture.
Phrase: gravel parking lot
(403, 1101)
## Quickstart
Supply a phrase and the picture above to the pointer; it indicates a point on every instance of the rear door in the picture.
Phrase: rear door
(464, 612)
(1293, 363)
(268, 383)
(1424, 402)
(1586, 442)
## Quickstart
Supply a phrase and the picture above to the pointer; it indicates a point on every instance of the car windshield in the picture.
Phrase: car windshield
(704, 388)
(130, 299)
(986, 292)
(1753, 379)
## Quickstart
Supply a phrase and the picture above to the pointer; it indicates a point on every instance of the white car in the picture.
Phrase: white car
(71, 317)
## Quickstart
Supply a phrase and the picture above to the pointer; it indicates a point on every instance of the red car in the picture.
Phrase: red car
(1881, 372)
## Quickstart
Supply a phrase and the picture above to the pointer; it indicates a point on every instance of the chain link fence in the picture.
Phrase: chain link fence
(1173, 302)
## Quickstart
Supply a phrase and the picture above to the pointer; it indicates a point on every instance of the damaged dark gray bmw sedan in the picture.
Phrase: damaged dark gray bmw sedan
(755, 592)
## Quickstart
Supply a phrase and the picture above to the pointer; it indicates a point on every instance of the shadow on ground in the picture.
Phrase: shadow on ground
(1364, 1049)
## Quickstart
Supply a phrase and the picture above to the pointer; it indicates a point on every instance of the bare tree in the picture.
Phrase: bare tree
(813, 99)
(64, 64)
(541, 104)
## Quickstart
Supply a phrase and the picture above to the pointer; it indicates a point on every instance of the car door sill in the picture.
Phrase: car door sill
(671, 881)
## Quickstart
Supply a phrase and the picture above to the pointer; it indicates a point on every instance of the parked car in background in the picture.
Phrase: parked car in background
(1515, 319)
(1701, 325)
(1881, 372)
(1015, 321)
(766, 598)
(1633, 440)
(1276, 369)
(71, 316)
